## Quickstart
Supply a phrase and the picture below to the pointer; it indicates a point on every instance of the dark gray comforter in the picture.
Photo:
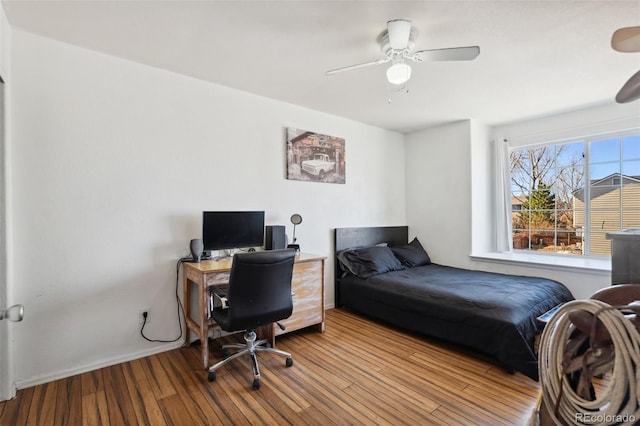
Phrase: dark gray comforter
(489, 312)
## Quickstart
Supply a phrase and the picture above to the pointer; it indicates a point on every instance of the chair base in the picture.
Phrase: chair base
(250, 347)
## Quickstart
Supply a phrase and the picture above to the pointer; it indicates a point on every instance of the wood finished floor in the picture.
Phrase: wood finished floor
(357, 372)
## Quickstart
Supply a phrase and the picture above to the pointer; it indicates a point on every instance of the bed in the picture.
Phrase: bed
(382, 275)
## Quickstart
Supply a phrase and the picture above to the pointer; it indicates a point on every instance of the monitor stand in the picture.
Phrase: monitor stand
(228, 253)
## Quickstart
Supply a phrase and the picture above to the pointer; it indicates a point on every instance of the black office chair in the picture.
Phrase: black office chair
(259, 294)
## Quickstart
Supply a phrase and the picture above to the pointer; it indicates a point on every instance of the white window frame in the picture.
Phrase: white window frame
(590, 259)
(487, 242)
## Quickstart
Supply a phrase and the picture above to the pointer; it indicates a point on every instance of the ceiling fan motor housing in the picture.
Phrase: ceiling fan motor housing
(387, 48)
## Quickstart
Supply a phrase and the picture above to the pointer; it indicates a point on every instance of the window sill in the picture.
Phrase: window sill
(547, 261)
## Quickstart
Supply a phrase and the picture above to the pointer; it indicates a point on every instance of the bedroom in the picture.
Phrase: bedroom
(111, 162)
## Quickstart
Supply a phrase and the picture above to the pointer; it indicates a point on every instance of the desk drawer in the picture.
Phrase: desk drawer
(216, 278)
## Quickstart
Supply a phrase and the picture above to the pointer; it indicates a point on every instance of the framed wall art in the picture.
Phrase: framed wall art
(315, 157)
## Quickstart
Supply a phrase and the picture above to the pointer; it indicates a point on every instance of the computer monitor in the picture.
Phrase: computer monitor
(227, 230)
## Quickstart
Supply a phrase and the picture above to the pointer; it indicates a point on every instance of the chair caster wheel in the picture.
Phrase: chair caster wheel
(212, 376)
(256, 384)
(289, 362)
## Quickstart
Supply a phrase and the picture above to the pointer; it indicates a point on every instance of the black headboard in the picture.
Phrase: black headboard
(362, 237)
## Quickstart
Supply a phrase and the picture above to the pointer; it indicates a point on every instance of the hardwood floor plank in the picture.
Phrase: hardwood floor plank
(446, 396)
(282, 389)
(220, 394)
(157, 377)
(360, 373)
(91, 382)
(15, 411)
(46, 411)
(451, 416)
(379, 403)
(119, 402)
(357, 372)
(191, 396)
(497, 404)
(337, 408)
(176, 413)
(247, 400)
(36, 405)
(323, 399)
(69, 402)
(213, 395)
(94, 409)
(145, 404)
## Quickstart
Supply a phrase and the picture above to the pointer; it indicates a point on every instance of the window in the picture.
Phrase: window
(570, 195)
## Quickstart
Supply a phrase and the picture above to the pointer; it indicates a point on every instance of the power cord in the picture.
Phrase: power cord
(180, 308)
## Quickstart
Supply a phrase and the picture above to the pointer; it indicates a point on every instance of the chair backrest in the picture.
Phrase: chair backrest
(260, 288)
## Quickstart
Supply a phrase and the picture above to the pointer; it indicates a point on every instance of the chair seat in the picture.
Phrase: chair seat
(224, 320)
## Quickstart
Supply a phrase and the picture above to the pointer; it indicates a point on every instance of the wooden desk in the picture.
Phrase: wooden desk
(308, 298)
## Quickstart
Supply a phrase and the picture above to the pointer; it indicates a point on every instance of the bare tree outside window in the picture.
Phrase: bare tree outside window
(543, 180)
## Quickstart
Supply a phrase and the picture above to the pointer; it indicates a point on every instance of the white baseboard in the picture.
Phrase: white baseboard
(22, 384)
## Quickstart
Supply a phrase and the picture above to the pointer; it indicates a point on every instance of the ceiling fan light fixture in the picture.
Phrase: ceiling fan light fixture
(398, 73)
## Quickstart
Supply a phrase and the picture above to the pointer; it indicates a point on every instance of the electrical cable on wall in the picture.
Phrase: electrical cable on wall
(180, 308)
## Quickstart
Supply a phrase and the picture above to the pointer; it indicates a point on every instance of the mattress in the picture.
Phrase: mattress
(492, 313)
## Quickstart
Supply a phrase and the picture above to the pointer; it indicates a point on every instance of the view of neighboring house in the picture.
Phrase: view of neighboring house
(517, 202)
(606, 196)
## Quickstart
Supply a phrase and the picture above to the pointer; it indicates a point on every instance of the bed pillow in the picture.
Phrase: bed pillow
(369, 261)
(412, 255)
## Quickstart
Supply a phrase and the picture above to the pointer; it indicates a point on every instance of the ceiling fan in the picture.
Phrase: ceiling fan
(397, 43)
(628, 40)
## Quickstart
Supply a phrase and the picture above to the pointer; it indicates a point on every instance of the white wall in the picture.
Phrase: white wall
(113, 163)
(590, 121)
(438, 191)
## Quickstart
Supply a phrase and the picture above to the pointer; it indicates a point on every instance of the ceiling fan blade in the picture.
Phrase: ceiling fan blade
(451, 54)
(626, 39)
(353, 67)
(630, 91)
(399, 31)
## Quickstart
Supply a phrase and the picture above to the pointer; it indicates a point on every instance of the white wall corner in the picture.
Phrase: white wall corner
(438, 175)
(482, 197)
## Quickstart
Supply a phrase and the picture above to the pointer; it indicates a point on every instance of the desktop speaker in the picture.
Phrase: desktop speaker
(275, 238)
(196, 249)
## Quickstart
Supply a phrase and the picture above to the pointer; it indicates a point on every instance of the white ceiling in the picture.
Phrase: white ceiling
(536, 57)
